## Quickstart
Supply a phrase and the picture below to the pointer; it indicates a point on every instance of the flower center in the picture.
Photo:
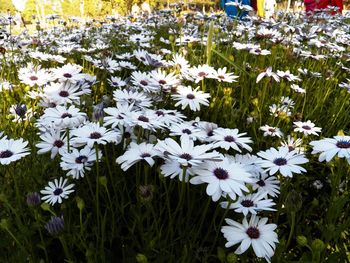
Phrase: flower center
(58, 143)
(261, 183)
(280, 161)
(271, 130)
(253, 232)
(145, 155)
(33, 78)
(81, 159)
(202, 74)
(143, 118)
(305, 127)
(190, 96)
(343, 144)
(247, 203)
(6, 154)
(160, 113)
(186, 156)
(65, 115)
(67, 75)
(95, 135)
(210, 133)
(143, 82)
(58, 191)
(187, 131)
(221, 174)
(21, 110)
(63, 93)
(162, 82)
(229, 138)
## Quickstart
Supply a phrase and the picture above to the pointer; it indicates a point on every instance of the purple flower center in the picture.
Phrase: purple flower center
(63, 93)
(202, 74)
(33, 78)
(221, 174)
(253, 232)
(58, 143)
(58, 191)
(67, 75)
(81, 159)
(210, 133)
(190, 96)
(160, 113)
(95, 135)
(280, 161)
(65, 115)
(143, 118)
(187, 131)
(6, 154)
(143, 82)
(261, 183)
(186, 156)
(145, 155)
(306, 127)
(271, 129)
(247, 203)
(343, 144)
(162, 82)
(229, 138)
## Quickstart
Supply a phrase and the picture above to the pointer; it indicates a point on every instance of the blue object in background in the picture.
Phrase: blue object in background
(232, 11)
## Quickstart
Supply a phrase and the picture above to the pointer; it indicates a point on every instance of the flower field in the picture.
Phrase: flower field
(168, 138)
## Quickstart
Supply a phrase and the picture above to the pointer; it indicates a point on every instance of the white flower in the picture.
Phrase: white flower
(230, 138)
(192, 98)
(307, 128)
(271, 131)
(330, 147)
(223, 178)
(52, 141)
(268, 73)
(12, 150)
(266, 185)
(135, 153)
(92, 133)
(77, 161)
(56, 191)
(252, 203)
(256, 233)
(282, 160)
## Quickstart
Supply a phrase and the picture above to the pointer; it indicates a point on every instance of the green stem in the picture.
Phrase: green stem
(291, 229)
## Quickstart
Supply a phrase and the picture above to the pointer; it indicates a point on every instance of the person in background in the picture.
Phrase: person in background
(269, 8)
(260, 7)
(323, 4)
(310, 6)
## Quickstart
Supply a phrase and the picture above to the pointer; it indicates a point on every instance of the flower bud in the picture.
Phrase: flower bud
(141, 258)
(318, 245)
(55, 225)
(302, 240)
(103, 180)
(293, 201)
(33, 199)
(232, 258)
(80, 203)
(45, 207)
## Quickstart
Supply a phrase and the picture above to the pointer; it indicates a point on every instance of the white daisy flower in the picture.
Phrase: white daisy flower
(57, 191)
(135, 153)
(92, 133)
(12, 150)
(192, 98)
(256, 233)
(223, 178)
(252, 203)
(307, 128)
(271, 131)
(282, 160)
(330, 147)
(266, 185)
(230, 138)
(52, 141)
(77, 162)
